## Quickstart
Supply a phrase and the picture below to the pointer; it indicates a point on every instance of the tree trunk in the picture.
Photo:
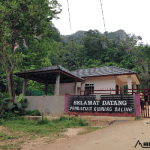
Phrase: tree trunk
(146, 73)
(9, 84)
(12, 87)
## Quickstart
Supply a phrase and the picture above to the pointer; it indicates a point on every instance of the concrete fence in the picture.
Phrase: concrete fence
(54, 105)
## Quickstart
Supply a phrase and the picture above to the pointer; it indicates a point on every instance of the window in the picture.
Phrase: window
(89, 87)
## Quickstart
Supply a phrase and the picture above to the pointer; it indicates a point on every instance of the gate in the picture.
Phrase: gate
(142, 98)
(145, 104)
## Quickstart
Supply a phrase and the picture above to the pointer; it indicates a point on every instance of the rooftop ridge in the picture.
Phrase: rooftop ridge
(100, 71)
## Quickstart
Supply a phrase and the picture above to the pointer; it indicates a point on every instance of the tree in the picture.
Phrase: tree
(23, 20)
(73, 55)
(139, 53)
(141, 57)
(56, 53)
(55, 33)
(95, 45)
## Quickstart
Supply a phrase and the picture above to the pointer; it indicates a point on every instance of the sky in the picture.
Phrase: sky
(132, 16)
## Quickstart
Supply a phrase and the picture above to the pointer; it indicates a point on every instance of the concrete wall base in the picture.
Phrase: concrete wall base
(54, 105)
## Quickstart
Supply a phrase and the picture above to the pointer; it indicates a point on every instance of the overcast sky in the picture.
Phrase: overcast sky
(133, 16)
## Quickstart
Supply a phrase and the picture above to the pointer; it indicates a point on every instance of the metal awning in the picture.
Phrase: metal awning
(48, 74)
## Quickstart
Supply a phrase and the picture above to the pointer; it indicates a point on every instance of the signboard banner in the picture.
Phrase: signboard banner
(101, 103)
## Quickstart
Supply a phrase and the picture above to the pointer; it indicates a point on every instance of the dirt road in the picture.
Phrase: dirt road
(121, 136)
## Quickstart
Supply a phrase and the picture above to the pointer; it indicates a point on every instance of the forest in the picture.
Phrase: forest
(24, 47)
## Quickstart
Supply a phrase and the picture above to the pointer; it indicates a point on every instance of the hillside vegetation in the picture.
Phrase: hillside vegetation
(39, 44)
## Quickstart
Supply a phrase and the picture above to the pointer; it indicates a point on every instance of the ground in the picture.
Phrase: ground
(122, 136)
(40, 142)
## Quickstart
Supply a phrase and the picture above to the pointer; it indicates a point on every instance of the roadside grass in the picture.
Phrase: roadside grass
(10, 146)
(22, 129)
(138, 118)
(4, 136)
(89, 129)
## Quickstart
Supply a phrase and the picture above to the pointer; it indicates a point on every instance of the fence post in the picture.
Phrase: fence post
(134, 105)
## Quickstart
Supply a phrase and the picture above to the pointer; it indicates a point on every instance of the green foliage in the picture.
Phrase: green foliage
(14, 114)
(28, 112)
(36, 113)
(45, 128)
(10, 115)
(71, 121)
(4, 95)
(42, 122)
(67, 122)
(1, 122)
(36, 89)
(25, 23)
(138, 118)
(4, 136)
(5, 105)
(22, 103)
(19, 98)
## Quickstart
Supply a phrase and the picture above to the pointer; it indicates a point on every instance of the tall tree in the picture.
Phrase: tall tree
(22, 20)
(95, 45)
(141, 57)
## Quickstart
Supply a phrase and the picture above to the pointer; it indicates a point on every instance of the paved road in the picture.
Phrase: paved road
(120, 136)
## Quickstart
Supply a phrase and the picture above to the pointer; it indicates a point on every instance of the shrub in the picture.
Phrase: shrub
(4, 95)
(28, 112)
(22, 103)
(10, 116)
(36, 113)
(62, 118)
(82, 122)
(5, 106)
(13, 108)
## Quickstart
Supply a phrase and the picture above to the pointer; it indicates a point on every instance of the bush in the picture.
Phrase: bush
(5, 105)
(13, 108)
(36, 113)
(28, 112)
(4, 95)
(82, 122)
(10, 116)
(62, 118)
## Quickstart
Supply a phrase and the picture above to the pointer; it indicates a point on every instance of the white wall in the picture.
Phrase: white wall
(54, 105)
(99, 83)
